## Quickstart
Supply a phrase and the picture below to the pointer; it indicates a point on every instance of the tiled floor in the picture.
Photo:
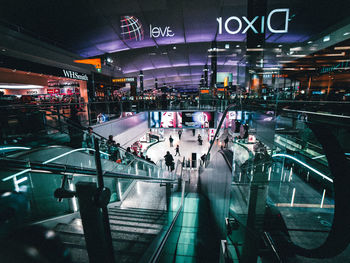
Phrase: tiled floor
(188, 145)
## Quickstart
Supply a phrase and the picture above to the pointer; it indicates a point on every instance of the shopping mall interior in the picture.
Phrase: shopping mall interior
(175, 131)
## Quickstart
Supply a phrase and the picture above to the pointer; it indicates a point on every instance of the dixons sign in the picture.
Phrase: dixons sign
(74, 75)
(250, 24)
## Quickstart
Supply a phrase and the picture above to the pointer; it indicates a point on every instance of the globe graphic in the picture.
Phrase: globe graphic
(131, 28)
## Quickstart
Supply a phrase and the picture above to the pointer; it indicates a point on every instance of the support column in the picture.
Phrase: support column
(206, 69)
(214, 61)
(141, 81)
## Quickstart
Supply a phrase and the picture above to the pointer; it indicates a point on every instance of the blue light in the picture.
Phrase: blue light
(304, 164)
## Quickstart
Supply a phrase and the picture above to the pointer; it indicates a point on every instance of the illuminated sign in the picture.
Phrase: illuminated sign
(124, 80)
(340, 66)
(159, 32)
(74, 75)
(53, 91)
(32, 92)
(92, 61)
(250, 24)
(131, 28)
(267, 75)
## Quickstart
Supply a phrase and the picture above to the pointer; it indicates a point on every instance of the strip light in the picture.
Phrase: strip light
(304, 164)
(14, 148)
(51, 160)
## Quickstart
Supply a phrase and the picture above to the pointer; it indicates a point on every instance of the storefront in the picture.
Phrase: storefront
(25, 81)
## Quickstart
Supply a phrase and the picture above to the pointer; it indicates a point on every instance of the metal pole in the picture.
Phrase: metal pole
(99, 197)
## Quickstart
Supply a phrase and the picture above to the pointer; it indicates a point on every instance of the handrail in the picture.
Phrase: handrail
(105, 139)
(272, 246)
(157, 253)
(75, 170)
(219, 127)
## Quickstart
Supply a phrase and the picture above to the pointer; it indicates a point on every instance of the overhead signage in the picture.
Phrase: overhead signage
(131, 28)
(340, 66)
(124, 80)
(91, 61)
(74, 75)
(32, 92)
(228, 24)
(155, 32)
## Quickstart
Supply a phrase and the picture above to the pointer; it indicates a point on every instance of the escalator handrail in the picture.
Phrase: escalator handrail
(75, 170)
(219, 127)
(158, 251)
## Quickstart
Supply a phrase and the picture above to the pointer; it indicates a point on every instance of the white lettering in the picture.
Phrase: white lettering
(219, 19)
(250, 24)
(156, 32)
(239, 25)
(74, 75)
(285, 30)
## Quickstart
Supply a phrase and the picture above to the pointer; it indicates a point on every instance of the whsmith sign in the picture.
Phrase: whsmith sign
(250, 24)
(74, 75)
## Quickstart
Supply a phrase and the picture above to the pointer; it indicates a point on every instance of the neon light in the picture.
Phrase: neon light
(12, 148)
(16, 174)
(51, 160)
(304, 164)
(293, 196)
(76, 150)
(22, 180)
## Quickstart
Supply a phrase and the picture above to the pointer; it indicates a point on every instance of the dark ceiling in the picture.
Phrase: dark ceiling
(94, 28)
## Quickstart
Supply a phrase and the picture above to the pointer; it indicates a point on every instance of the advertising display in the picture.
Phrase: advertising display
(198, 119)
(162, 119)
(194, 120)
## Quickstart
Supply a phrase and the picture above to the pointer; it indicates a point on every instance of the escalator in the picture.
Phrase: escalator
(153, 218)
(141, 204)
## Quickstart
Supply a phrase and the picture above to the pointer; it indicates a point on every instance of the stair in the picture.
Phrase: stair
(133, 230)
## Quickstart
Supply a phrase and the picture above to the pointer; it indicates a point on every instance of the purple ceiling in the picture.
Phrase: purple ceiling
(94, 28)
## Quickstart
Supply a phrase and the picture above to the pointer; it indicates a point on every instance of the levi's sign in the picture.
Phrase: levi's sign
(159, 32)
(74, 75)
(228, 24)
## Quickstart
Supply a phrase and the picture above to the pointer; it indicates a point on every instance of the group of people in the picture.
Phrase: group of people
(112, 148)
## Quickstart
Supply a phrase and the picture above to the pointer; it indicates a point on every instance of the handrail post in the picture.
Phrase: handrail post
(101, 197)
(95, 233)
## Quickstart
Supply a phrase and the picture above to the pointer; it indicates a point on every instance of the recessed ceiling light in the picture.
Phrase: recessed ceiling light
(310, 42)
(174, 47)
(326, 38)
(258, 45)
(346, 33)
(227, 46)
(279, 45)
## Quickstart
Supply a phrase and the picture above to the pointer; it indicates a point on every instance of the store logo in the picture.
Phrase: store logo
(159, 32)
(250, 24)
(74, 75)
(131, 28)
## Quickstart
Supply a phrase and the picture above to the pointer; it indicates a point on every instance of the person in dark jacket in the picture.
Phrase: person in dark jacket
(177, 150)
(168, 160)
(180, 133)
(171, 140)
(226, 141)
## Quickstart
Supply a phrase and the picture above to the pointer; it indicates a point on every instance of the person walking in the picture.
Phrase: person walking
(200, 141)
(171, 140)
(180, 133)
(168, 160)
(177, 150)
(226, 142)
